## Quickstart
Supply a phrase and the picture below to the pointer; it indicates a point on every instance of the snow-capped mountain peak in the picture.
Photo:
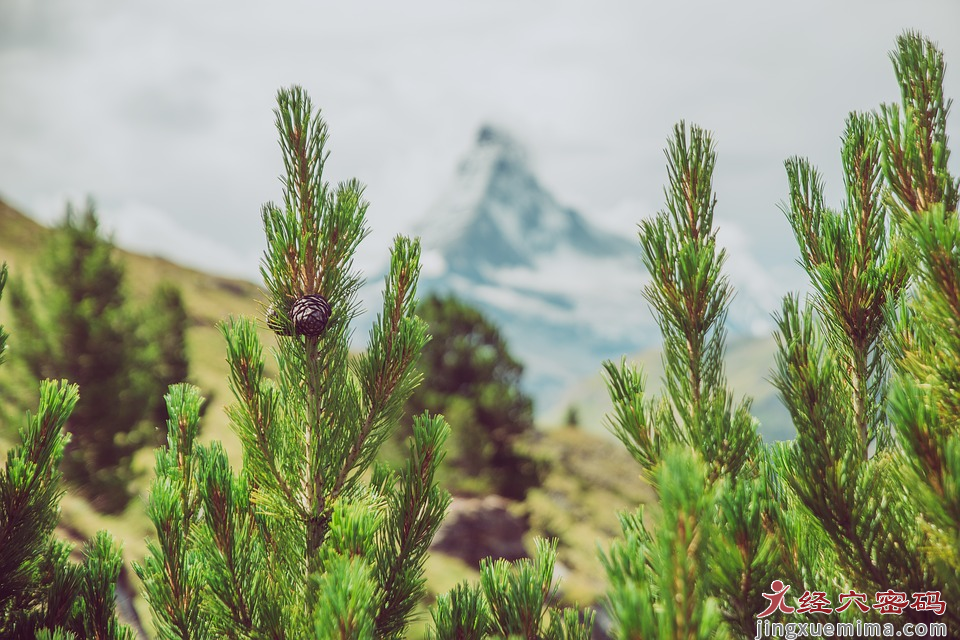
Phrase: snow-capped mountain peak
(495, 214)
(566, 294)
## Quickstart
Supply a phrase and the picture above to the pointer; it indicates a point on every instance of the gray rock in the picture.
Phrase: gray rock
(477, 528)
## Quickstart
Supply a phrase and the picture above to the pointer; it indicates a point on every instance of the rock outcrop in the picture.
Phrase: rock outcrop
(476, 528)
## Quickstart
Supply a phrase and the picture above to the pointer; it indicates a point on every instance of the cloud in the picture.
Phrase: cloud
(169, 105)
(143, 228)
(758, 289)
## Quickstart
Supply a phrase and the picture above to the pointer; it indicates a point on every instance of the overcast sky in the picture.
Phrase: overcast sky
(162, 111)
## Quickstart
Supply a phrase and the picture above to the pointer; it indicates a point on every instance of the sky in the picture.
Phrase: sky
(161, 112)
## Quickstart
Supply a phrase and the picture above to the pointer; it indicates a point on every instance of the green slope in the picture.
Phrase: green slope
(208, 298)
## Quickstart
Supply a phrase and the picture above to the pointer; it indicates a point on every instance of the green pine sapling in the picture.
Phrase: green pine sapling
(313, 537)
(863, 437)
(43, 593)
(512, 601)
(866, 497)
(661, 584)
(298, 544)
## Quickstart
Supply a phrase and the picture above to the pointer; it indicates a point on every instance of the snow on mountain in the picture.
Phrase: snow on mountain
(565, 293)
(496, 215)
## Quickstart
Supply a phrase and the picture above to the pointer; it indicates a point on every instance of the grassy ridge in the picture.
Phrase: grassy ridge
(209, 299)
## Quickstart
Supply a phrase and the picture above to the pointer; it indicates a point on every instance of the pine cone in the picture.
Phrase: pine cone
(309, 315)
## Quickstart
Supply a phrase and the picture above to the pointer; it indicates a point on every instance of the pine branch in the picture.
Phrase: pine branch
(826, 461)
(513, 600)
(101, 567)
(30, 495)
(386, 371)
(834, 355)
(632, 421)
(658, 579)
(461, 614)
(346, 601)
(226, 539)
(924, 402)
(416, 506)
(261, 409)
(744, 560)
(690, 295)
(172, 572)
(571, 624)
(519, 594)
(63, 581)
(914, 134)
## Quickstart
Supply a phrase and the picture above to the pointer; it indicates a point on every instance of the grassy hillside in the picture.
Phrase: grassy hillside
(208, 298)
(749, 364)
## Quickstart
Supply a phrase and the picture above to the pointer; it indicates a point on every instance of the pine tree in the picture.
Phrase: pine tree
(700, 451)
(865, 497)
(862, 436)
(470, 377)
(82, 327)
(166, 325)
(312, 537)
(297, 544)
(43, 593)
